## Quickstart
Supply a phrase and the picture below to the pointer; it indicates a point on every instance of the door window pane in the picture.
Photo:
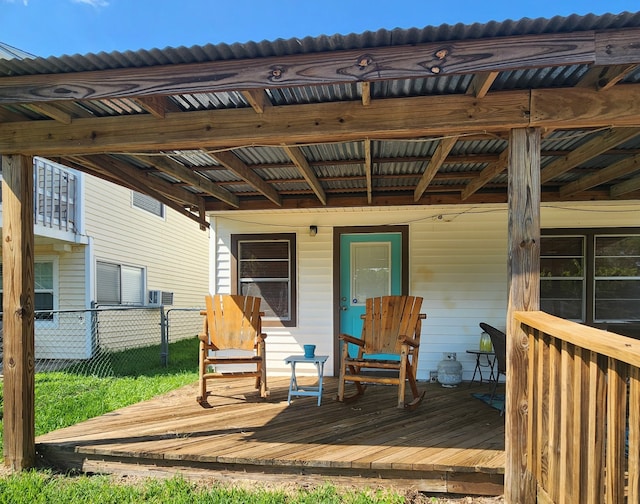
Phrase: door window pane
(370, 271)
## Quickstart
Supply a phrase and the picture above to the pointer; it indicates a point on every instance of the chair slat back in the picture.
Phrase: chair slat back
(233, 321)
(386, 319)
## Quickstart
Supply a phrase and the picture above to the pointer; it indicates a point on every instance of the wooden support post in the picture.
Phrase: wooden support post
(18, 308)
(524, 294)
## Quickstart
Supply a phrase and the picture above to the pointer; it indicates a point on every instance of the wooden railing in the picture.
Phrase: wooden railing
(583, 426)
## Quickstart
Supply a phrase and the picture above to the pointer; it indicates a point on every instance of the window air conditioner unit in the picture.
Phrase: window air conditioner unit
(157, 298)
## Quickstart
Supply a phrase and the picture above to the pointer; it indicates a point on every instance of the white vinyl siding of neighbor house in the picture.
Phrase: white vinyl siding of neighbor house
(457, 262)
(172, 249)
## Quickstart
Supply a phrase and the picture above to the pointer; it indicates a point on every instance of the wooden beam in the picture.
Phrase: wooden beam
(442, 151)
(625, 187)
(622, 168)
(524, 294)
(487, 174)
(331, 67)
(601, 143)
(18, 308)
(258, 99)
(181, 172)
(51, 111)
(603, 78)
(234, 164)
(368, 169)
(328, 122)
(300, 161)
(481, 83)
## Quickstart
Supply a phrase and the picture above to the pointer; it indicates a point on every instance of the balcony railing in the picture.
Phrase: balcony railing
(56, 194)
(583, 435)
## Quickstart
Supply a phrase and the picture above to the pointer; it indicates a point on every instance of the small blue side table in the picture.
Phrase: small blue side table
(313, 391)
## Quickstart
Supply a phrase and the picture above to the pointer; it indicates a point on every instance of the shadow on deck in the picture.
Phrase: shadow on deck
(451, 443)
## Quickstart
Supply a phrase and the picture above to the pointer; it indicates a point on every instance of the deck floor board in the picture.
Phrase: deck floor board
(450, 434)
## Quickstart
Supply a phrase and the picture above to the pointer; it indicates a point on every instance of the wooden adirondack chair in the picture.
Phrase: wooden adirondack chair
(392, 325)
(232, 323)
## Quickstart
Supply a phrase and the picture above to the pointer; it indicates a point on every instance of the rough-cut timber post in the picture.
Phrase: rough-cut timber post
(524, 294)
(18, 308)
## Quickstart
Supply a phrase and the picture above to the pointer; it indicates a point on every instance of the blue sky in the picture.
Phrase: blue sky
(57, 27)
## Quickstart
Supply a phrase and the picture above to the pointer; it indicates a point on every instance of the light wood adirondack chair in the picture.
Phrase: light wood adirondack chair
(392, 325)
(232, 323)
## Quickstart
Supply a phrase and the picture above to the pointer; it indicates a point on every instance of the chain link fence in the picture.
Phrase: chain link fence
(108, 341)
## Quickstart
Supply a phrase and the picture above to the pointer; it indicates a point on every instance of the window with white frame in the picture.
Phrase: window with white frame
(591, 276)
(147, 203)
(119, 284)
(264, 265)
(46, 288)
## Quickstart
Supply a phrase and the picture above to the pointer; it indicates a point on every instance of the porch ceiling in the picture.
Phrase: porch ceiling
(419, 116)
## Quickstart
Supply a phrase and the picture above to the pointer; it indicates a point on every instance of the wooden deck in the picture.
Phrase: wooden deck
(451, 443)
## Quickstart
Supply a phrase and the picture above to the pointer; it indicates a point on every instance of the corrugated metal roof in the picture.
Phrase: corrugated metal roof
(307, 45)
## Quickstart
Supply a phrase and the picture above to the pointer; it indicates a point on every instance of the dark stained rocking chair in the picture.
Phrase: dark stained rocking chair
(392, 325)
(499, 342)
(232, 323)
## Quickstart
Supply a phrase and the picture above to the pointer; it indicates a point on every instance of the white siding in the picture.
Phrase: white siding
(173, 249)
(457, 261)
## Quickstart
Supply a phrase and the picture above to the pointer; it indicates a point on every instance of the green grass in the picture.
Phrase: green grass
(35, 487)
(66, 398)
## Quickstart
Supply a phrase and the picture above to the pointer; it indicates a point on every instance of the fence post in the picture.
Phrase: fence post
(164, 338)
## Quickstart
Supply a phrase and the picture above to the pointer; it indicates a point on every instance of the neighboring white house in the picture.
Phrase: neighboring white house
(457, 261)
(97, 243)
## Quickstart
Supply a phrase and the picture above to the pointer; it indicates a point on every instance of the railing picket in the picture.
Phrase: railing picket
(616, 424)
(555, 391)
(633, 483)
(578, 461)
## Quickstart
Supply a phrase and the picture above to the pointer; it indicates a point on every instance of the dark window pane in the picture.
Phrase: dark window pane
(618, 289)
(561, 289)
(561, 267)
(618, 245)
(617, 310)
(275, 297)
(562, 246)
(617, 266)
(264, 250)
(44, 301)
(568, 309)
(264, 269)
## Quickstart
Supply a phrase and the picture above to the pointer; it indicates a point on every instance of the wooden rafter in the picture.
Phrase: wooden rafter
(616, 170)
(589, 150)
(603, 78)
(487, 174)
(300, 161)
(51, 111)
(237, 166)
(442, 151)
(628, 186)
(157, 106)
(258, 99)
(181, 172)
(481, 83)
(368, 169)
(365, 93)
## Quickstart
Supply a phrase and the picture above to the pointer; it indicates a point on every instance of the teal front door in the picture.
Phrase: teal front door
(371, 265)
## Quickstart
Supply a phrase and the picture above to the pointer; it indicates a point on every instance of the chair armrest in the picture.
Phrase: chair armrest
(203, 312)
(412, 342)
(203, 337)
(351, 339)
(261, 336)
